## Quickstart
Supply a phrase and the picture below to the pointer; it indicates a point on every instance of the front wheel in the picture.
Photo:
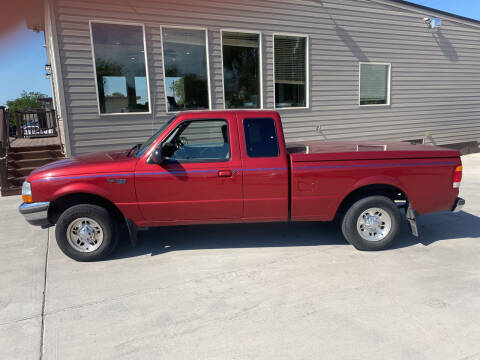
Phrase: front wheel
(371, 223)
(86, 232)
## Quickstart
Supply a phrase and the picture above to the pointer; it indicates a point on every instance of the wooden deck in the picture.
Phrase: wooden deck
(25, 155)
(35, 142)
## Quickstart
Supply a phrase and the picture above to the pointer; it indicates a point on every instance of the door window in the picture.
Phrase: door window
(198, 141)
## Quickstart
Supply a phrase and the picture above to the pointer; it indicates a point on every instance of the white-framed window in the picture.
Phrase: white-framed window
(375, 81)
(120, 66)
(186, 68)
(291, 83)
(242, 69)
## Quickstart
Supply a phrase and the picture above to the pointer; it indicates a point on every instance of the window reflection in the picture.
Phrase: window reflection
(241, 70)
(120, 67)
(185, 62)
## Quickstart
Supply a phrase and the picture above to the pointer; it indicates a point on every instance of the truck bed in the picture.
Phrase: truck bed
(326, 172)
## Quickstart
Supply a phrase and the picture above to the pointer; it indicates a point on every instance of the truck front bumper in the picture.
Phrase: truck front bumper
(458, 205)
(35, 213)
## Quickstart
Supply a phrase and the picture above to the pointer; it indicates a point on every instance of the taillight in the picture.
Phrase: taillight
(457, 177)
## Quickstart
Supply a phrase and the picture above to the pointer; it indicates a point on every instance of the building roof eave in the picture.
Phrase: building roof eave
(441, 12)
(35, 17)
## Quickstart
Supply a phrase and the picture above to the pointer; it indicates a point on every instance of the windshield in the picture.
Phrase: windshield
(151, 139)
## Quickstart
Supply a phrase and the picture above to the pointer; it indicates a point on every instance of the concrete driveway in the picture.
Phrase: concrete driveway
(246, 292)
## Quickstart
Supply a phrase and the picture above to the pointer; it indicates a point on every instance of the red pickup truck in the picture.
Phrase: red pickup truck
(234, 166)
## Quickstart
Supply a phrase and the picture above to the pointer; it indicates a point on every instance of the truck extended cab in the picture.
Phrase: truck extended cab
(234, 166)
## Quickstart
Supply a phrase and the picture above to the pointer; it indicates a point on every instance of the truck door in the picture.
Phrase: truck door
(199, 181)
(264, 166)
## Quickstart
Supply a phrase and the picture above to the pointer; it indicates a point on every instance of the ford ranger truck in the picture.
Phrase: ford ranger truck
(211, 167)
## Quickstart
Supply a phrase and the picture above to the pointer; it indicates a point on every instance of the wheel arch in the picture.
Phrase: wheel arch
(62, 203)
(390, 191)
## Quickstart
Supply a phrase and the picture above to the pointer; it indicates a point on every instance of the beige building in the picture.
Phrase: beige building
(334, 69)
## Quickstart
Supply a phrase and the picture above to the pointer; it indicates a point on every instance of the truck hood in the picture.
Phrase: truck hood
(365, 150)
(94, 163)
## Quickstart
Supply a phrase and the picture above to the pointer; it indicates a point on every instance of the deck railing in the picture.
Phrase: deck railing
(33, 123)
(4, 143)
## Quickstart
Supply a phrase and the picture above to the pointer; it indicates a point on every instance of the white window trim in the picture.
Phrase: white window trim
(389, 84)
(307, 73)
(208, 64)
(57, 77)
(90, 22)
(260, 48)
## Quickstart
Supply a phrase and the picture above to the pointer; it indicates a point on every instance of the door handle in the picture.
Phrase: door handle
(225, 173)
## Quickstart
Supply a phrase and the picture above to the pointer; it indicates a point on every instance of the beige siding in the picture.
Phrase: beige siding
(435, 77)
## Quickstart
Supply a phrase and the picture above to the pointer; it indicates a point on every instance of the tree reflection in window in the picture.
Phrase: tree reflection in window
(185, 62)
(241, 70)
(120, 67)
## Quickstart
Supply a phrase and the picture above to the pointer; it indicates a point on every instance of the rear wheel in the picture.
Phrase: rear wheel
(371, 223)
(86, 232)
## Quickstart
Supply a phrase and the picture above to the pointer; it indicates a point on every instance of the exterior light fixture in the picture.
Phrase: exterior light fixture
(433, 24)
(48, 71)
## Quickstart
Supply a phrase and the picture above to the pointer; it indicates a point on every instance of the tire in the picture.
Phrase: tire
(371, 223)
(86, 233)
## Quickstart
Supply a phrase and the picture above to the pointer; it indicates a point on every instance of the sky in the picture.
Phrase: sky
(22, 63)
(23, 59)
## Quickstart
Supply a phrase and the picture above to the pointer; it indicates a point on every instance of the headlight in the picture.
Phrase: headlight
(27, 192)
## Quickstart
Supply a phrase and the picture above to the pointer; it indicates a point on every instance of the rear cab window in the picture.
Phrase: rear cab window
(261, 137)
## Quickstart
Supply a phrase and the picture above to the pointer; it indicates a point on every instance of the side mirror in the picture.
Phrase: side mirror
(157, 156)
(163, 152)
(168, 150)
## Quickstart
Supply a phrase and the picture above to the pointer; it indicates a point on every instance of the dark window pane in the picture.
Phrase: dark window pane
(289, 95)
(185, 61)
(201, 140)
(290, 71)
(120, 66)
(241, 70)
(261, 137)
